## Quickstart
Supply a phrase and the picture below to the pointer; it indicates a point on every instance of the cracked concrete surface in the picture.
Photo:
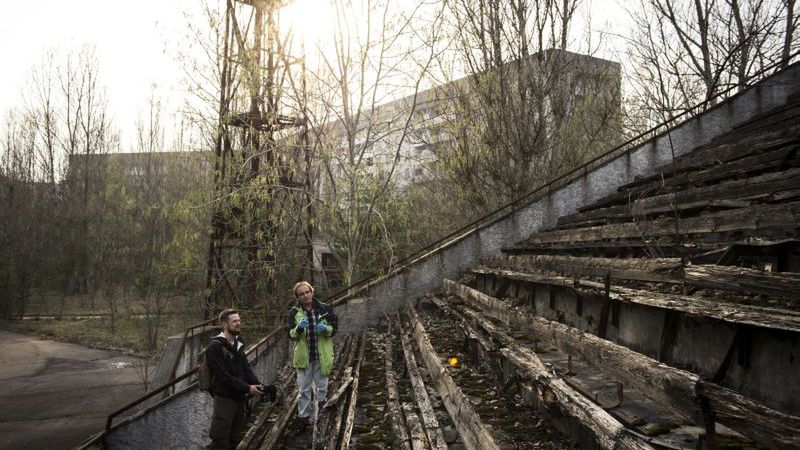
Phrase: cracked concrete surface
(55, 395)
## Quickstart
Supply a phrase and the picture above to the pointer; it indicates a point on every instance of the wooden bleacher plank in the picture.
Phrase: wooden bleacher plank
(758, 218)
(693, 198)
(675, 388)
(772, 318)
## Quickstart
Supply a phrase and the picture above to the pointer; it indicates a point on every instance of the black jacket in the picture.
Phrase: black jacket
(231, 375)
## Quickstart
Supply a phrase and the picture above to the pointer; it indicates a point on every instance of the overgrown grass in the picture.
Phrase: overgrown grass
(132, 323)
(130, 330)
(127, 335)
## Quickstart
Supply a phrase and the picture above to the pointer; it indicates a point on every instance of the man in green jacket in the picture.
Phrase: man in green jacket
(312, 325)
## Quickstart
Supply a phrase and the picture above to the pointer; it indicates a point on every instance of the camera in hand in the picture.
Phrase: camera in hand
(269, 393)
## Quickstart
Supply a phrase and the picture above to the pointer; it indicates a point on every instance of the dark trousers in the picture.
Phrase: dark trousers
(227, 423)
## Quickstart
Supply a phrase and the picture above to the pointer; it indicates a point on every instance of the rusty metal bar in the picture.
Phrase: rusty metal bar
(182, 346)
(173, 382)
(146, 397)
(616, 402)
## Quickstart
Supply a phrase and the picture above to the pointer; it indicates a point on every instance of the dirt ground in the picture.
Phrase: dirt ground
(55, 395)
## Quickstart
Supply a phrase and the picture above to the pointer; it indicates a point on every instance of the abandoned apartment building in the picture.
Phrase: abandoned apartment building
(645, 301)
(403, 136)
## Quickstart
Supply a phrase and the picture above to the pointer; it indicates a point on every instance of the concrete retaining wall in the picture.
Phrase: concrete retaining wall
(196, 341)
(181, 421)
(425, 274)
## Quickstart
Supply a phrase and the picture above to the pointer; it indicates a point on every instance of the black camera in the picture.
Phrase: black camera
(268, 393)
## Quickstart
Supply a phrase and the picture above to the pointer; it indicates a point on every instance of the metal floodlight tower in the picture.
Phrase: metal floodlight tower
(241, 254)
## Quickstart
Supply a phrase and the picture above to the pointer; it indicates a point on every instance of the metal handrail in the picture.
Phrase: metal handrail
(254, 348)
(509, 208)
(147, 396)
(182, 345)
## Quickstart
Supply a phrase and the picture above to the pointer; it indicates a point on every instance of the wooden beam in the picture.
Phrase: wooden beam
(664, 270)
(344, 443)
(678, 389)
(772, 318)
(432, 428)
(754, 219)
(694, 198)
(642, 269)
(664, 181)
(469, 425)
(278, 427)
(744, 280)
(610, 434)
(393, 395)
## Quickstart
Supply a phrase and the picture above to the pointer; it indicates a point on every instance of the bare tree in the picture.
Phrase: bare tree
(685, 52)
(20, 238)
(361, 129)
(528, 108)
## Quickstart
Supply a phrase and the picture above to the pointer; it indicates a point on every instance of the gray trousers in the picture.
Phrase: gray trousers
(307, 377)
(227, 423)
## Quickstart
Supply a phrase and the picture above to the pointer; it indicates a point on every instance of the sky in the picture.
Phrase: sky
(132, 40)
(136, 43)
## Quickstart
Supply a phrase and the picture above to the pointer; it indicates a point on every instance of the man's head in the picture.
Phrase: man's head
(304, 293)
(230, 322)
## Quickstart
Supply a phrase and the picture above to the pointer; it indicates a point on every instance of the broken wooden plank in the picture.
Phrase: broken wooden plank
(284, 386)
(467, 422)
(773, 318)
(342, 366)
(607, 430)
(782, 217)
(344, 443)
(417, 432)
(643, 269)
(744, 280)
(468, 331)
(666, 385)
(278, 427)
(694, 198)
(393, 395)
(678, 389)
(348, 378)
(766, 425)
(431, 424)
(328, 435)
(665, 181)
(666, 270)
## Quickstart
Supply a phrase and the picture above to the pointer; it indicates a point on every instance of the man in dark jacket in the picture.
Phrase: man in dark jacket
(232, 381)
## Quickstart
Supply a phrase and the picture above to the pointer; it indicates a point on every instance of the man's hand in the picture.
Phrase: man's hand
(303, 324)
(255, 390)
(321, 327)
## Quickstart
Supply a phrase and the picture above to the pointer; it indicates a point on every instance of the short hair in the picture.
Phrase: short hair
(223, 316)
(302, 283)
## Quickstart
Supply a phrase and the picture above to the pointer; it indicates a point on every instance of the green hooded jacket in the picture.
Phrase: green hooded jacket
(324, 339)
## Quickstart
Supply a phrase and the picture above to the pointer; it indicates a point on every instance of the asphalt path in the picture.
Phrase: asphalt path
(55, 395)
